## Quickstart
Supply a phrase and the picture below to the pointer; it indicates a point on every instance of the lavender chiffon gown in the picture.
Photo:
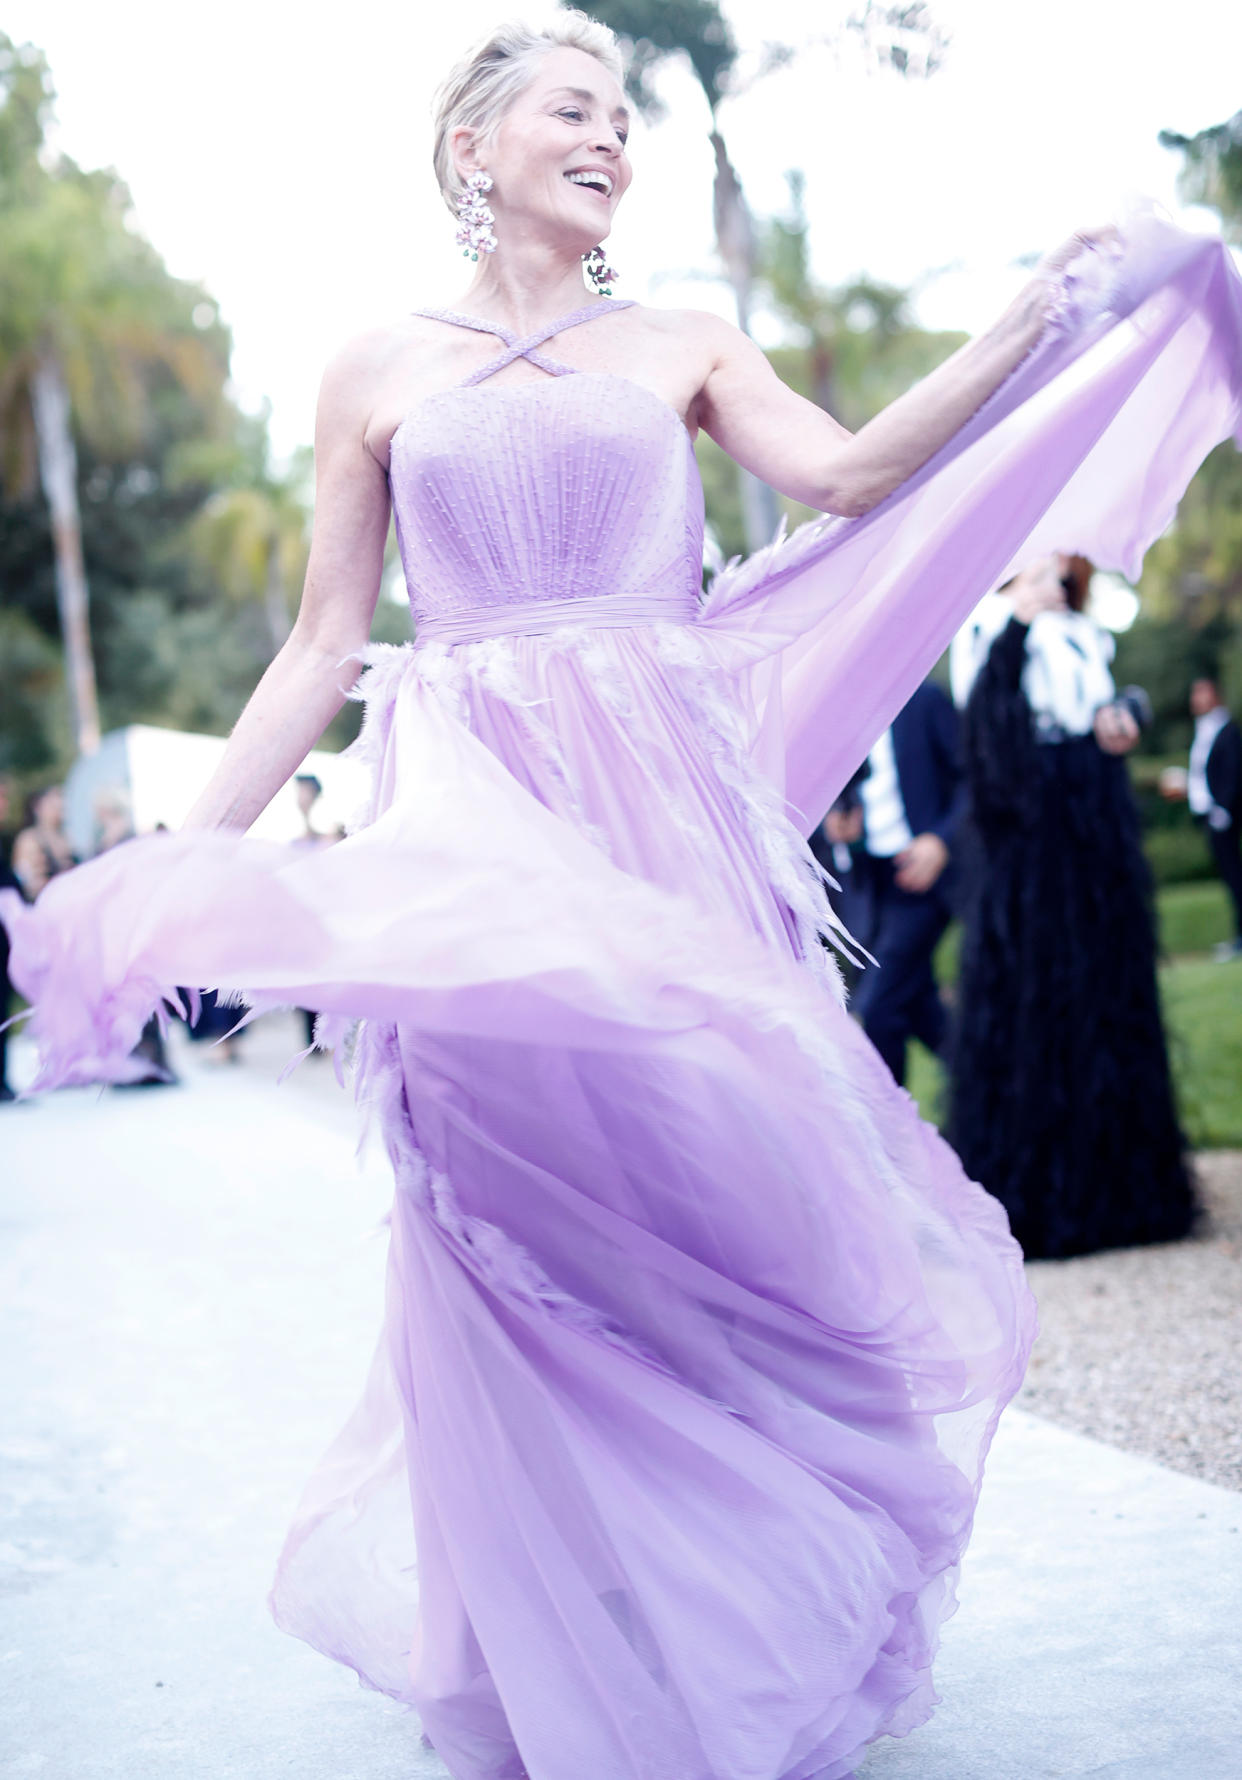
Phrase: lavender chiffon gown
(695, 1334)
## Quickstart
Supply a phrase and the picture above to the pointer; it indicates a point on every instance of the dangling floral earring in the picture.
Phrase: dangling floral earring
(602, 275)
(474, 230)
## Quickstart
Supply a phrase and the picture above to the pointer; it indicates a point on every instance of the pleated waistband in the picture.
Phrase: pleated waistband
(604, 611)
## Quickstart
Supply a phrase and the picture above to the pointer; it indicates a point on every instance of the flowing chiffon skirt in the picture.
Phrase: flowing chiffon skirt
(698, 1332)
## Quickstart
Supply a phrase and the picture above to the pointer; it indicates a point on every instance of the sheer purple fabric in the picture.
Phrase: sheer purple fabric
(1088, 447)
(696, 1335)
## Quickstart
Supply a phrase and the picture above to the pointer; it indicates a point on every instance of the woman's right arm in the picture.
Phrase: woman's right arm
(306, 684)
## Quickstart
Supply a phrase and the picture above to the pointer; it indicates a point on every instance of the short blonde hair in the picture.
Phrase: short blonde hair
(479, 89)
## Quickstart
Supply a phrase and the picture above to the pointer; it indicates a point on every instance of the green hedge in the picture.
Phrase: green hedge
(1177, 855)
(1174, 846)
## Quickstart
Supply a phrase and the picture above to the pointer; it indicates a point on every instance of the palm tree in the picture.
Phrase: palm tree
(863, 346)
(1194, 572)
(254, 539)
(84, 323)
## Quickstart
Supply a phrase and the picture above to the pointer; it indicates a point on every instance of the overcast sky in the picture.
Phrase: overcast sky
(281, 153)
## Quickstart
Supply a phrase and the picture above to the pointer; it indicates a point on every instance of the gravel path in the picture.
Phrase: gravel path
(1140, 1347)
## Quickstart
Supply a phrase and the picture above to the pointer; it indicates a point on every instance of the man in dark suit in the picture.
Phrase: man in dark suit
(899, 817)
(1214, 792)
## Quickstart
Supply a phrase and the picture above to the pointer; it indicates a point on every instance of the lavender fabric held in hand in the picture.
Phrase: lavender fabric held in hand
(696, 1335)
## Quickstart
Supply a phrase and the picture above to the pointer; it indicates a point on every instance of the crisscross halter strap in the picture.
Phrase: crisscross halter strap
(528, 348)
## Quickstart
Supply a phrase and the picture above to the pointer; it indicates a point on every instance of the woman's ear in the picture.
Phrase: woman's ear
(463, 149)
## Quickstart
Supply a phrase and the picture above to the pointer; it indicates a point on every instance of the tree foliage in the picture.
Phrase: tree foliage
(1194, 573)
(193, 541)
(904, 39)
(1192, 579)
(1212, 170)
(652, 31)
(1190, 622)
(89, 322)
(25, 107)
(853, 349)
(76, 278)
(858, 345)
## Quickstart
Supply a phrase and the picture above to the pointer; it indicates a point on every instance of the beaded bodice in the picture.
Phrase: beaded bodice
(580, 485)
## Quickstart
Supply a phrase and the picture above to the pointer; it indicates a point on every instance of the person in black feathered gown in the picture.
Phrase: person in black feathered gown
(1061, 1101)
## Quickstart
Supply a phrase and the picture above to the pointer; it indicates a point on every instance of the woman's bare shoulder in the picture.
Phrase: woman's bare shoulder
(682, 349)
(688, 327)
(375, 350)
(359, 375)
(703, 345)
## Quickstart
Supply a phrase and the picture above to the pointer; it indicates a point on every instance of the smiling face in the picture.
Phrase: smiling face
(557, 157)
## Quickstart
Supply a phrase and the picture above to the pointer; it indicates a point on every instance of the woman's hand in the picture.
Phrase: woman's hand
(1115, 729)
(1037, 588)
(920, 864)
(1104, 238)
(1173, 783)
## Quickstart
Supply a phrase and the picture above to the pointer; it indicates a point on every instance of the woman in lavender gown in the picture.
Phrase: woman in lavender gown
(696, 1336)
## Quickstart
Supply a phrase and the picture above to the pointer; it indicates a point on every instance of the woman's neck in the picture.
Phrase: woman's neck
(526, 285)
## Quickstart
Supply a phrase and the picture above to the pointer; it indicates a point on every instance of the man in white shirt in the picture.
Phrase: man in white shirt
(901, 817)
(1214, 792)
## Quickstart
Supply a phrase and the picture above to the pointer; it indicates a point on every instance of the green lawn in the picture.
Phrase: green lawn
(1193, 917)
(1202, 1010)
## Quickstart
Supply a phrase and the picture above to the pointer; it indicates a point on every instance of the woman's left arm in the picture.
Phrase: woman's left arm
(803, 452)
